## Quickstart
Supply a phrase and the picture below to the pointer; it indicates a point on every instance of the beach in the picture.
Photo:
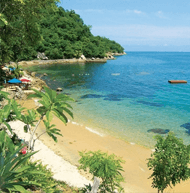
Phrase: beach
(78, 138)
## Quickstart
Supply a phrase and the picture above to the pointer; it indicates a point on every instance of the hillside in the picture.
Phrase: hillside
(48, 29)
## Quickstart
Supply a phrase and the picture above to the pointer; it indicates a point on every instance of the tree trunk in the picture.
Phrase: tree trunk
(95, 185)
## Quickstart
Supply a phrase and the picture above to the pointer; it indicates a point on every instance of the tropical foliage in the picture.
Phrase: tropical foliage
(19, 27)
(51, 104)
(106, 167)
(31, 26)
(65, 35)
(169, 162)
(12, 166)
(17, 173)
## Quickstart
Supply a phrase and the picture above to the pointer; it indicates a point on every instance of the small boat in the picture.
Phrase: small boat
(177, 81)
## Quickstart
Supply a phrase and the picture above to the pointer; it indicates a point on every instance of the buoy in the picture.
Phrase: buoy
(59, 89)
(177, 81)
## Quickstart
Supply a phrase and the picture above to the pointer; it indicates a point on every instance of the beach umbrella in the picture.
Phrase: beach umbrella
(25, 80)
(14, 80)
(12, 69)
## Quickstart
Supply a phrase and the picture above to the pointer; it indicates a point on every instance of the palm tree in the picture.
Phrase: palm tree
(51, 104)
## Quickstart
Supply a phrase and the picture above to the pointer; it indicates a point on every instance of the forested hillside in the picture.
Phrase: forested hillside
(65, 35)
(57, 32)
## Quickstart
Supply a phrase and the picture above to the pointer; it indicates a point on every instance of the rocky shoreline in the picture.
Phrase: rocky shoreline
(37, 83)
(81, 60)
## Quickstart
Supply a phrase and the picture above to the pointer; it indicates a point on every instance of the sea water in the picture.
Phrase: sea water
(129, 97)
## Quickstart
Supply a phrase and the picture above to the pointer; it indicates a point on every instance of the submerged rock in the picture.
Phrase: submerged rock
(59, 89)
(159, 131)
(91, 96)
(186, 126)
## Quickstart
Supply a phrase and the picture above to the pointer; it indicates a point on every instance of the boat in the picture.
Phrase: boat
(177, 81)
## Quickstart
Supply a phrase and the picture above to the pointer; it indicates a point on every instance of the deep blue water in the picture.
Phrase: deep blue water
(129, 97)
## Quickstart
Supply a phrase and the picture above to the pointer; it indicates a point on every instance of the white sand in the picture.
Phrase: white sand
(61, 169)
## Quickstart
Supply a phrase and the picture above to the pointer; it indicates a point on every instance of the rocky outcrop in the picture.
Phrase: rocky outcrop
(110, 55)
(96, 60)
(33, 74)
(83, 57)
(119, 54)
(42, 56)
(81, 60)
(38, 83)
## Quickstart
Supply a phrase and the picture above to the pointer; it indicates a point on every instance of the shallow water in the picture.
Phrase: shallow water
(129, 97)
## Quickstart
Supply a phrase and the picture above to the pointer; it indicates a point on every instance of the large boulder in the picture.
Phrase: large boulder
(83, 57)
(42, 56)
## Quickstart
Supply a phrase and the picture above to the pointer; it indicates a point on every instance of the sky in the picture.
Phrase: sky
(138, 25)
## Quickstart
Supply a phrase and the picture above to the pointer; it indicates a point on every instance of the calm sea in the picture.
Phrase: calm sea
(129, 97)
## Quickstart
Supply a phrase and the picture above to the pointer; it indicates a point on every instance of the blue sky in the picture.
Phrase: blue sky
(138, 25)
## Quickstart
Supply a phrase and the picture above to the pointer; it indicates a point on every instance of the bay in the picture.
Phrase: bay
(129, 97)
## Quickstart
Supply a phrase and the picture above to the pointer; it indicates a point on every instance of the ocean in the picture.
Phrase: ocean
(129, 97)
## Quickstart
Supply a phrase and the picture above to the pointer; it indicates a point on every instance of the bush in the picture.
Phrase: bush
(44, 182)
(12, 165)
(104, 166)
(169, 162)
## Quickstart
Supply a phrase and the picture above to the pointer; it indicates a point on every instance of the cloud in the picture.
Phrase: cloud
(145, 34)
(134, 11)
(161, 15)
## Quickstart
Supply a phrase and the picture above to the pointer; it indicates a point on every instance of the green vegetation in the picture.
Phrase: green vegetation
(65, 35)
(31, 26)
(169, 162)
(20, 30)
(17, 172)
(51, 104)
(104, 166)
(12, 167)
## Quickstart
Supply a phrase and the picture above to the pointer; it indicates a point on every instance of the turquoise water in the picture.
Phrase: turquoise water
(129, 97)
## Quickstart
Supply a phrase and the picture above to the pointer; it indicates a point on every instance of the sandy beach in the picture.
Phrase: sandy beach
(78, 138)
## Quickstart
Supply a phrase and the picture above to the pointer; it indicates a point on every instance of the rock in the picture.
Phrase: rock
(38, 83)
(93, 58)
(19, 94)
(33, 74)
(158, 130)
(59, 89)
(42, 56)
(83, 57)
(45, 74)
(111, 57)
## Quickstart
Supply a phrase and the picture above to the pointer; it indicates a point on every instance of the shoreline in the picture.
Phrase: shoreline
(77, 138)
(60, 61)
(82, 60)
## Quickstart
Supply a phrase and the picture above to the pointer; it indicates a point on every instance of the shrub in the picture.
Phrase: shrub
(44, 182)
(104, 166)
(12, 166)
(169, 162)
